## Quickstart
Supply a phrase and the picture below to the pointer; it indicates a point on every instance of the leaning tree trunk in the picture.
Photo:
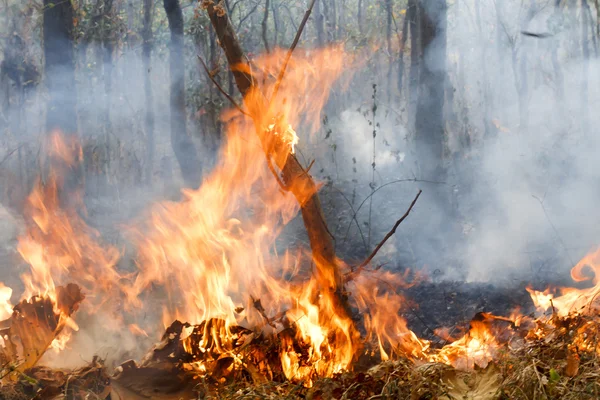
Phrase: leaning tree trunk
(61, 115)
(297, 179)
(183, 146)
(149, 97)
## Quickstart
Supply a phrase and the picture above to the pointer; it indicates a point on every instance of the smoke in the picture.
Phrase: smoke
(522, 201)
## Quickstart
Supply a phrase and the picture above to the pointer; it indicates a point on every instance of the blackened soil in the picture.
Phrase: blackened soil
(454, 304)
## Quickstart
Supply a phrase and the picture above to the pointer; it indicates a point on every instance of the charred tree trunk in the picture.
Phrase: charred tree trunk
(429, 128)
(149, 96)
(61, 113)
(183, 146)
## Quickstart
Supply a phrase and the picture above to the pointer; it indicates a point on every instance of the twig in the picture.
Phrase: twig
(10, 153)
(291, 50)
(389, 235)
(381, 187)
(236, 105)
(261, 310)
(560, 239)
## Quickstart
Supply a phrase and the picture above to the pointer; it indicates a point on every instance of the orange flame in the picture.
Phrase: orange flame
(573, 300)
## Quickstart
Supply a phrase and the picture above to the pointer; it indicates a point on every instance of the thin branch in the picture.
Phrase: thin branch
(10, 153)
(236, 105)
(291, 50)
(560, 239)
(389, 235)
(381, 187)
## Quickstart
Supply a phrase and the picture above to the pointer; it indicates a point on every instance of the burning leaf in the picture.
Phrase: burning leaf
(34, 325)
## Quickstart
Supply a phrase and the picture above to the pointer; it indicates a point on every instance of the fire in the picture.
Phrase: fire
(215, 252)
(573, 300)
(477, 347)
(5, 307)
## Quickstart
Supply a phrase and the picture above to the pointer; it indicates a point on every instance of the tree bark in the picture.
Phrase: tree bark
(183, 146)
(148, 95)
(429, 124)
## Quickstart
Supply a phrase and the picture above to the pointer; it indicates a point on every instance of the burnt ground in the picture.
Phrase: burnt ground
(454, 304)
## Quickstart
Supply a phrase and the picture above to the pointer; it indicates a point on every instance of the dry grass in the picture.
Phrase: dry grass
(562, 364)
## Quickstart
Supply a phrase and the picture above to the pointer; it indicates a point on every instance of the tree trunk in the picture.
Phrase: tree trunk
(389, 10)
(414, 23)
(183, 146)
(359, 17)
(107, 64)
(403, 38)
(264, 27)
(149, 96)
(429, 122)
(487, 99)
(319, 28)
(62, 96)
(60, 66)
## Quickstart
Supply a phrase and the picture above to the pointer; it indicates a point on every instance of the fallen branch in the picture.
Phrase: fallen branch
(358, 269)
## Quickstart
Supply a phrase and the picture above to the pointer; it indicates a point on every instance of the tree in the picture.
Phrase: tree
(429, 124)
(149, 98)
(60, 66)
(61, 112)
(182, 144)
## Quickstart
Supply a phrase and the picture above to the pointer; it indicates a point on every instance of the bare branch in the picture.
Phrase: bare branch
(231, 100)
(291, 50)
(385, 239)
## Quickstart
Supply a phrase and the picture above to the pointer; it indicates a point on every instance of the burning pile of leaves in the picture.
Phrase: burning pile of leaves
(551, 357)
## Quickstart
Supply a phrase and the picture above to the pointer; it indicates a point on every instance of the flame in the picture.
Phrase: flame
(214, 254)
(6, 307)
(573, 300)
(477, 347)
